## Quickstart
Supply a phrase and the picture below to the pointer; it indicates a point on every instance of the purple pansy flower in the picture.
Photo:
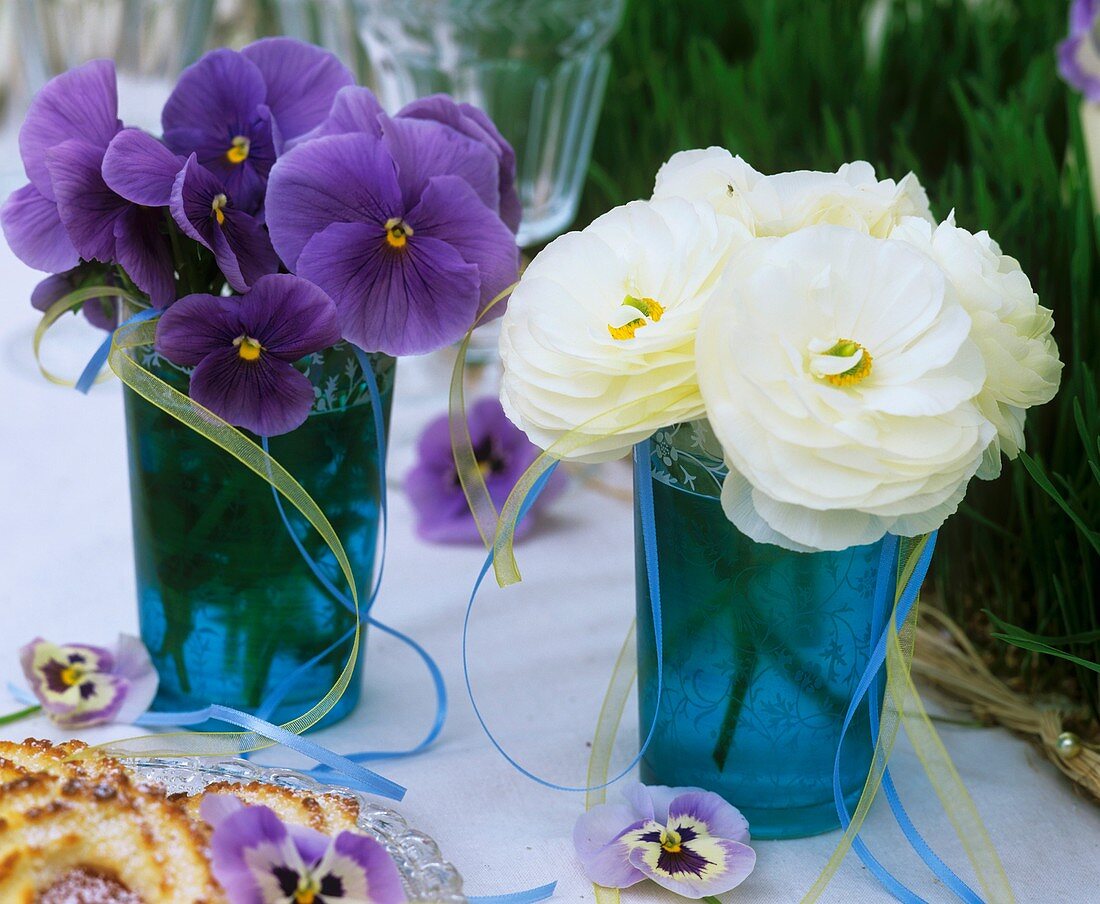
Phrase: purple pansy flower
(473, 123)
(243, 349)
(258, 859)
(401, 230)
(69, 211)
(358, 110)
(80, 685)
(503, 453)
(1079, 54)
(236, 110)
(686, 840)
(100, 312)
(205, 212)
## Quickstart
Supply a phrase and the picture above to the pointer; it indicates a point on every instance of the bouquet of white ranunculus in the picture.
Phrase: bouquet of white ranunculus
(858, 362)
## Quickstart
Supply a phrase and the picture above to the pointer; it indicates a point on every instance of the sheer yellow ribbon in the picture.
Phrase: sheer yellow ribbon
(208, 425)
(62, 306)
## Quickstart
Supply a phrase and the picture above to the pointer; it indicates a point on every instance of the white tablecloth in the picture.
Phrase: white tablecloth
(542, 656)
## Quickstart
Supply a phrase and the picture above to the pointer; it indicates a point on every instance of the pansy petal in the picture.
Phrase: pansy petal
(710, 811)
(448, 211)
(358, 868)
(355, 109)
(596, 839)
(101, 698)
(706, 866)
(132, 662)
(214, 99)
(215, 808)
(140, 168)
(52, 288)
(34, 231)
(81, 103)
(301, 80)
(237, 839)
(404, 301)
(193, 194)
(422, 149)
(143, 252)
(195, 326)
(243, 249)
(290, 316)
(267, 396)
(476, 124)
(338, 179)
(87, 206)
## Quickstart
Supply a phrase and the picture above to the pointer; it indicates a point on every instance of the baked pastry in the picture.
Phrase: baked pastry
(329, 814)
(83, 831)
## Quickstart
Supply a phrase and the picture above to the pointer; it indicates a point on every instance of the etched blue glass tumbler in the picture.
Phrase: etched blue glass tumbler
(229, 609)
(763, 649)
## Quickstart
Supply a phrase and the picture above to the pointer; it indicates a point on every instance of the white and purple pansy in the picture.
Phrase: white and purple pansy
(687, 840)
(258, 859)
(80, 685)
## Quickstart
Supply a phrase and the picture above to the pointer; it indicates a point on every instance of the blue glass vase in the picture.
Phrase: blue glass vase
(227, 605)
(763, 649)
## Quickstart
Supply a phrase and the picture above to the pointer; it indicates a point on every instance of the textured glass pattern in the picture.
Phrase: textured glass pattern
(762, 650)
(228, 607)
(427, 876)
(536, 66)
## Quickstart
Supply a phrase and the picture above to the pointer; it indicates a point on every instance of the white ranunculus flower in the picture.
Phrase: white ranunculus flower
(840, 379)
(599, 334)
(1011, 329)
(778, 205)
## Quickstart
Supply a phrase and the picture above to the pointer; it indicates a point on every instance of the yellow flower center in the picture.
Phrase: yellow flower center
(71, 675)
(670, 841)
(248, 348)
(651, 310)
(307, 890)
(238, 150)
(217, 205)
(397, 232)
(835, 373)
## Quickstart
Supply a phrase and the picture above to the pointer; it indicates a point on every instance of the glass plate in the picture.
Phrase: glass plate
(427, 876)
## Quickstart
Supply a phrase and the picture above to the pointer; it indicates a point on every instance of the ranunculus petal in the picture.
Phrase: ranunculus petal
(423, 149)
(339, 179)
(140, 168)
(79, 104)
(267, 396)
(34, 231)
(291, 316)
(87, 207)
(301, 81)
(195, 326)
(400, 301)
(448, 210)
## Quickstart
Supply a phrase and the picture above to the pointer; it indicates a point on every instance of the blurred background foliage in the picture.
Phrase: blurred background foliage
(964, 93)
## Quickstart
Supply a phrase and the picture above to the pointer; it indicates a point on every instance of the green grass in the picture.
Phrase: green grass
(966, 95)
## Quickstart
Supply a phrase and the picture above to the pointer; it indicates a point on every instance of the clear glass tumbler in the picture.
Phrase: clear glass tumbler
(538, 67)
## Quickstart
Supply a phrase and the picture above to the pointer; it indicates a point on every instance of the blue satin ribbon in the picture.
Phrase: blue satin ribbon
(870, 684)
(644, 492)
(95, 364)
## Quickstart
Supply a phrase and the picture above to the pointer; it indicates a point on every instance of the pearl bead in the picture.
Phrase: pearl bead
(1068, 745)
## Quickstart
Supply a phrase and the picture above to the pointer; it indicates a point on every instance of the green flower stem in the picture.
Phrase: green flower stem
(21, 714)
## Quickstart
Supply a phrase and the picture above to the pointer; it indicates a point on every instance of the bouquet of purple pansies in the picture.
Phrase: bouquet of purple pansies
(281, 213)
